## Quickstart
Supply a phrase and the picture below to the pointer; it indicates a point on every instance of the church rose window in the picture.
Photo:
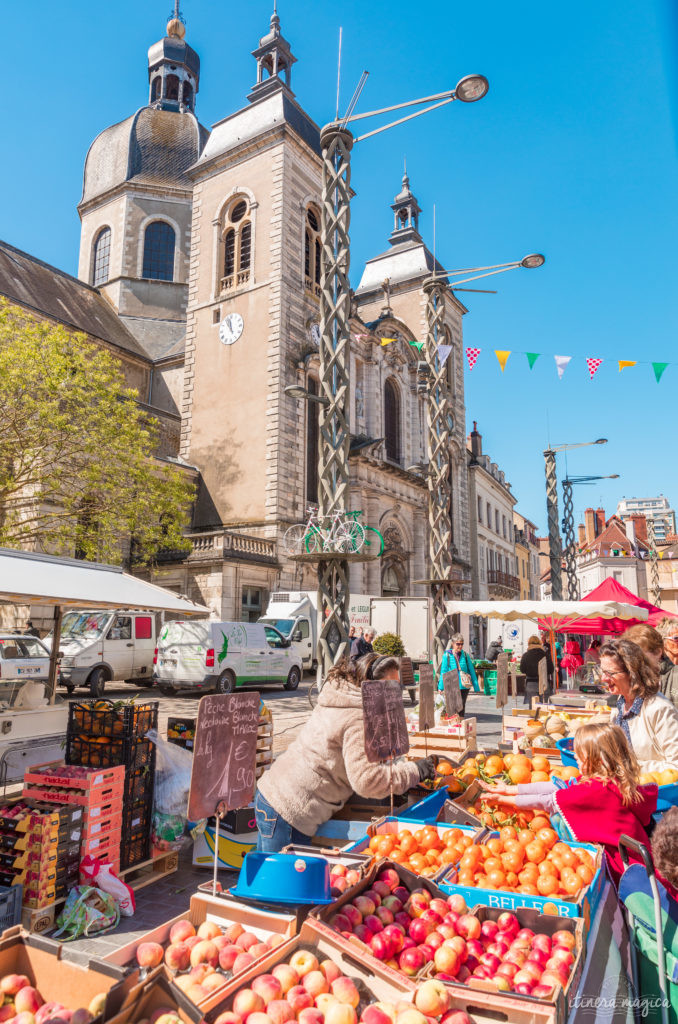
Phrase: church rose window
(238, 211)
(159, 241)
(102, 256)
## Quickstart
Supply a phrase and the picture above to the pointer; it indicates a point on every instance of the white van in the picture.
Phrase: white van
(22, 657)
(204, 655)
(100, 646)
(295, 615)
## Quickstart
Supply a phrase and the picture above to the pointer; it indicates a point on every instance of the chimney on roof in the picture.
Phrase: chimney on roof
(582, 535)
(630, 527)
(600, 521)
(640, 523)
(590, 525)
(476, 439)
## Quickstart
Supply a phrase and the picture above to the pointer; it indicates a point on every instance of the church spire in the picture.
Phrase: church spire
(274, 61)
(173, 68)
(406, 212)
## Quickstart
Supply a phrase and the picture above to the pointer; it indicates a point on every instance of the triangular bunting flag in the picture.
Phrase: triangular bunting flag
(472, 356)
(593, 365)
(443, 353)
(625, 363)
(532, 358)
(561, 364)
(417, 344)
(387, 341)
(658, 370)
(502, 356)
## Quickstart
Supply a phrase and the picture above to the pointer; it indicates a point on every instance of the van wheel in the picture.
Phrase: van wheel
(70, 690)
(293, 679)
(97, 682)
(167, 691)
(226, 682)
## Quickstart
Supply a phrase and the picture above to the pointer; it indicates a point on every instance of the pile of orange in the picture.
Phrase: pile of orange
(532, 861)
(425, 851)
(515, 769)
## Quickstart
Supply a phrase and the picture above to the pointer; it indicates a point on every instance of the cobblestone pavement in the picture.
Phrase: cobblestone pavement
(171, 896)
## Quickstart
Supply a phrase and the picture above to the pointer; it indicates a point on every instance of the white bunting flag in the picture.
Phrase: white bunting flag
(561, 364)
(443, 353)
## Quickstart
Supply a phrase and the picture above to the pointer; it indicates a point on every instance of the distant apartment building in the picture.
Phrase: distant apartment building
(527, 556)
(657, 509)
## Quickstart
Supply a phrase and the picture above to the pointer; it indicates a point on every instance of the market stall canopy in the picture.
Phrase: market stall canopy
(610, 590)
(550, 614)
(27, 577)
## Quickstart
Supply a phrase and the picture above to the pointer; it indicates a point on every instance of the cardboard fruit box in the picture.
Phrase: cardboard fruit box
(223, 911)
(584, 906)
(394, 826)
(562, 998)
(375, 986)
(156, 992)
(59, 980)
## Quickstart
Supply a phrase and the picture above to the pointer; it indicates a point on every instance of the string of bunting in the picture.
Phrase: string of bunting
(593, 363)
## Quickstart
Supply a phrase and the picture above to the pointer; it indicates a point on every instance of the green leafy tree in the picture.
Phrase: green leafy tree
(77, 473)
(389, 643)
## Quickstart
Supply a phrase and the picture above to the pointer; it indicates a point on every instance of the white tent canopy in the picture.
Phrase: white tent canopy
(546, 612)
(30, 578)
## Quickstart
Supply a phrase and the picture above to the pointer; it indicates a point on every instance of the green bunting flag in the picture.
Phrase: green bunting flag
(532, 358)
(658, 370)
(417, 344)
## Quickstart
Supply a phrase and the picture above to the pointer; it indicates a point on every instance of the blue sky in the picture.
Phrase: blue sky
(572, 153)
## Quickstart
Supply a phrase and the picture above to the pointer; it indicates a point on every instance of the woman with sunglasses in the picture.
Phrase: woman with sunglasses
(312, 780)
(455, 659)
(648, 719)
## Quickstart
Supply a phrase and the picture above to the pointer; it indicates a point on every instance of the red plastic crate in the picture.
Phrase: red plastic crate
(105, 847)
(74, 777)
(94, 827)
(89, 799)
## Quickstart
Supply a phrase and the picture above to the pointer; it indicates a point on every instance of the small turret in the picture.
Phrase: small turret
(173, 69)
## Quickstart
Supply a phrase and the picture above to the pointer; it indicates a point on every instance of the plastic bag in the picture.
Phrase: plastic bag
(170, 794)
(87, 911)
(100, 874)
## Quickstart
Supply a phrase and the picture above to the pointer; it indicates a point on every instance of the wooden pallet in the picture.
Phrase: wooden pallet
(149, 871)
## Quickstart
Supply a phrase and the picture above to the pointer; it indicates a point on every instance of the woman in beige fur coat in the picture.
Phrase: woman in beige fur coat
(326, 763)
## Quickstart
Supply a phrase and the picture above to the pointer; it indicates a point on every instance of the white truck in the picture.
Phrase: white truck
(294, 614)
(410, 618)
(100, 646)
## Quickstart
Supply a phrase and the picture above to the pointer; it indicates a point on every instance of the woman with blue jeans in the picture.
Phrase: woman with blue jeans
(312, 780)
(455, 659)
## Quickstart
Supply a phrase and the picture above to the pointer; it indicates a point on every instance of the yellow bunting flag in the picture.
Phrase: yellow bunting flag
(624, 363)
(387, 341)
(502, 356)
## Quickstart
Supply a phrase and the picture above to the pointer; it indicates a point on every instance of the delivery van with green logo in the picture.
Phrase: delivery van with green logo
(221, 656)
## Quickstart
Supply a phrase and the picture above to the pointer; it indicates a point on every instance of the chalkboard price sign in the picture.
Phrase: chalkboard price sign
(384, 720)
(426, 704)
(224, 754)
(453, 704)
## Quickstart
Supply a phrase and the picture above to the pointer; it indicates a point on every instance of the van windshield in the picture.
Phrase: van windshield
(283, 626)
(86, 625)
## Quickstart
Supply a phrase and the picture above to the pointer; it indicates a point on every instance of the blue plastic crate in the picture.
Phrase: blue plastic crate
(566, 748)
(428, 808)
(10, 906)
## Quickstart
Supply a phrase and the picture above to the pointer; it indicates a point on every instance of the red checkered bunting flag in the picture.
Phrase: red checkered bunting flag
(593, 365)
(472, 356)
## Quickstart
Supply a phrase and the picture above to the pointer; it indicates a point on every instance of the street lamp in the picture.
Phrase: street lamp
(297, 391)
(568, 528)
(440, 426)
(336, 142)
(555, 548)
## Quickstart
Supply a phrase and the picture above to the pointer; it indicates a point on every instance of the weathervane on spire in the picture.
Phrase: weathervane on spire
(176, 14)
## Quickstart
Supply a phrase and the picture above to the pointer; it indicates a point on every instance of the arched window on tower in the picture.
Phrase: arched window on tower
(392, 421)
(172, 87)
(236, 245)
(101, 257)
(188, 95)
(312, 250)
(312, 442)
(156, 88)
(159, 244)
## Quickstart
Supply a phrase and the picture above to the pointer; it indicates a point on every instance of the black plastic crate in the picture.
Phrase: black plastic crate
(137, 816)
(10, 906)
(138, 786)
(114, 719)
(181, 732)
(135, 849)
(105, 752)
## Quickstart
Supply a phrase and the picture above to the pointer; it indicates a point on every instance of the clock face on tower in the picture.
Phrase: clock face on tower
(230, 328)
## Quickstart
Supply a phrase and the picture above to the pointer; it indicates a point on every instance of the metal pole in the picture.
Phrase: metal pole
(570, 549)
(439, 416)
(655, 589)
(335, 307)
(555, 550)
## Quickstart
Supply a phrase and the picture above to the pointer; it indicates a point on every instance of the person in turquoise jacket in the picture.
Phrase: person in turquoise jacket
(456, 659)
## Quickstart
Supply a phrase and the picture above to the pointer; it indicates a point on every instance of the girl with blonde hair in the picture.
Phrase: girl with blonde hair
(603, 803)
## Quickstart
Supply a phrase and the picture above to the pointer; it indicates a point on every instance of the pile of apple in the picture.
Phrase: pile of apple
(502, 955)
(309, 991)
(342, 878)
(23, 1004)
(203, 960)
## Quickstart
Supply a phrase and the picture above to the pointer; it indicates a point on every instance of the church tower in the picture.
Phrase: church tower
(253, 303)
(137, 200)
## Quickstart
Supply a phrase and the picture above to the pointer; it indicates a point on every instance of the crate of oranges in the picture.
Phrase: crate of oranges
(529, 867)
(423, 849)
